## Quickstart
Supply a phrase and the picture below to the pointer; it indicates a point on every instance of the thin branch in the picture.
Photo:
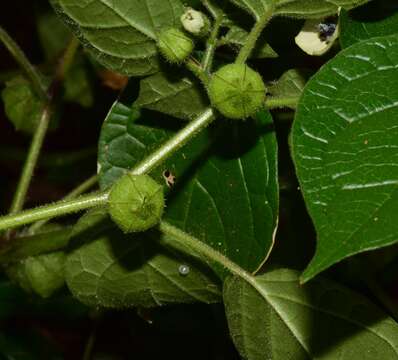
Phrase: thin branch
(211, 45)
(31, 160)
(175, 143)
(40, 132)
(33, 75)
(53, 210)
(82, 188)
(254, 34)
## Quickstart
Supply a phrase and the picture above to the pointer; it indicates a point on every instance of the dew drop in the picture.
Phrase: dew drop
(184, 270)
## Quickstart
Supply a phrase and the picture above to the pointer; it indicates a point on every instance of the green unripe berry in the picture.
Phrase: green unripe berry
(174, 45)
(236, 91)
(136, 203)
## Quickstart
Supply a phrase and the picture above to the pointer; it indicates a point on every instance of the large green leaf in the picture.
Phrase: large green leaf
(344, 144)
(275, 318)
(377, 18)
(227, 175)
(121, 34)
(108, 268)
(177, 96)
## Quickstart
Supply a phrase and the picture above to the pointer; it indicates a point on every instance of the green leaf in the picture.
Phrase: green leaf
(54, 37)
(177, 96)
(53, 34)
(377, 18)
(42, 274)
(226, 175)
(254, 7)
(288, 88)
(52, 239)
(314, 8)
(273, 317)
(298, 8)
(22, 106)
(238, 36)
(77, 84)
(115, 270)
(121, 34)
(344, 144)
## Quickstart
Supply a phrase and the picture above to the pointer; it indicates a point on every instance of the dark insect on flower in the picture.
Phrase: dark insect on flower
(326, 30)
(169, 178)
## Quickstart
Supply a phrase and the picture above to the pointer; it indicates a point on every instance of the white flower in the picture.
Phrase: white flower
(317, 36)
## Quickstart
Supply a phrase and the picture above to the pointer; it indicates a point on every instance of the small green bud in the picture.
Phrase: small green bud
(236, 91)
(174, 45)
(195, 22)
(136, 203)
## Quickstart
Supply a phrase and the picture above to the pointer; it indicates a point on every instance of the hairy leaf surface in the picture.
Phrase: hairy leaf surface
(276, 318)
(314, 8)
(121, 34)
(108, 268)
(298, 8)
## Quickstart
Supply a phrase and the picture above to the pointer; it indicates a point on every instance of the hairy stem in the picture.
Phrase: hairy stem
(195, 67)
(280, 102)
(53, 210)
(181, 240)
(186, 243)
(82, 188)
(31, 160)
(65, 207)
(175, 143)
(254, 34)
(40, 132)
(211, 45)
(33, 75)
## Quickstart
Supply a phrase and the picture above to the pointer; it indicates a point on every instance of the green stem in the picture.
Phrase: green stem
(175, 143)
(254, 34)
(20, 57)
(186, 243)
(152, 161)
(211, 45)
(181, 240)
(274, 102)
(193, 66)
(40, 132)
(67, 58)
(31, 160)
(82, 188)
(53, 210)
